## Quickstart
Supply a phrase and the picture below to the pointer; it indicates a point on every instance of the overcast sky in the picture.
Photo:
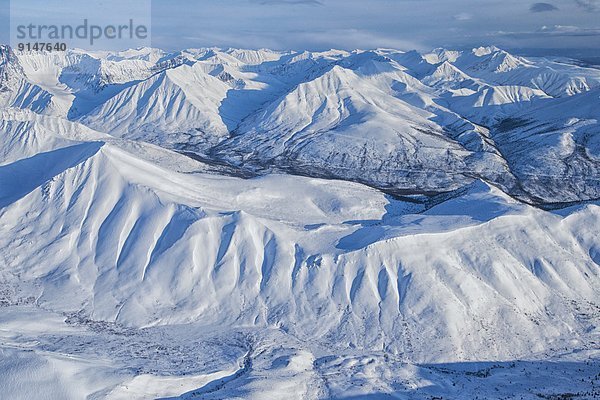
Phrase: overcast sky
(349, 24)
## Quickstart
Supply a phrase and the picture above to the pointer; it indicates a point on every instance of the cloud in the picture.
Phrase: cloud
(348, 39)
(290, 2)
(463, 16)
(348, 24)
(567, 30)
(542, 7)
(354, 39)
(588, 5)
(556, 31)
(560, 39)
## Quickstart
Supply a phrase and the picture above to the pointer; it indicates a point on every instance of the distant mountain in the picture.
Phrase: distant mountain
(403, 122)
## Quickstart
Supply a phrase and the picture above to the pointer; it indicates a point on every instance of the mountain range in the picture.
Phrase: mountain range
(227, 223)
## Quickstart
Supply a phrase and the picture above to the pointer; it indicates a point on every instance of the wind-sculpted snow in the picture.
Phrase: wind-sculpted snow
(240, 269)
(138, 245)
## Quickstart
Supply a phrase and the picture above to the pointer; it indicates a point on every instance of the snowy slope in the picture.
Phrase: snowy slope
(172, 102)
(24, 134)
(147, 246)
(307, 263)
(345, 126)
(15, 89)
(554, 149)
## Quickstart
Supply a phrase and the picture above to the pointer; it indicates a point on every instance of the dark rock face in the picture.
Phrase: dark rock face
(10, 69)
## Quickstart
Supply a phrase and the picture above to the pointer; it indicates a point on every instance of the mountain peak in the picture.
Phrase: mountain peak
(485, 50)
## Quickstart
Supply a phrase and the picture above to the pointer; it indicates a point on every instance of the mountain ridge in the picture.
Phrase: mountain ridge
(466, 94)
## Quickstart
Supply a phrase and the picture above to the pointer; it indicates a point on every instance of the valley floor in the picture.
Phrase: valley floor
(45, 355)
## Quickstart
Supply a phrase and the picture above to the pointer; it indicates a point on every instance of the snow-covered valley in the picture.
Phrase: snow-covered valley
(258, 224)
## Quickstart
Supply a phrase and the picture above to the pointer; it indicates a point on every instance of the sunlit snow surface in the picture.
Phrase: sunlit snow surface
(131, 271)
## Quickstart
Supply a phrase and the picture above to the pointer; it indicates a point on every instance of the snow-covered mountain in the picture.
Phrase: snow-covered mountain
(258, 224)
(403, 122)
(15, 89)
